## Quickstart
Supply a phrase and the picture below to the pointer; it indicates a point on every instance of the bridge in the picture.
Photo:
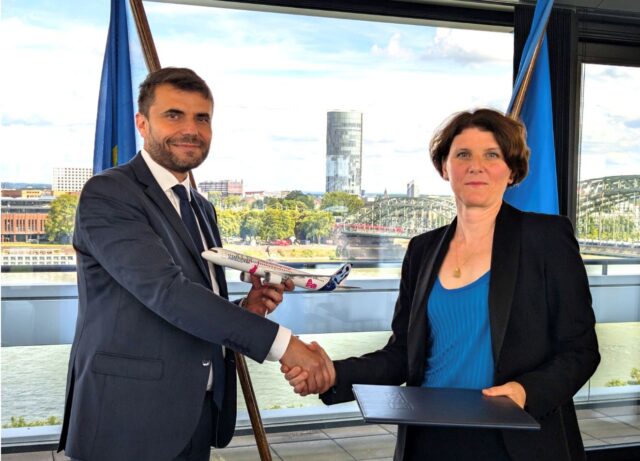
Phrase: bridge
(608, 211)
(400, 217)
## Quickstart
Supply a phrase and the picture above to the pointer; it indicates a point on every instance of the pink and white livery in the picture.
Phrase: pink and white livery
(273, 272)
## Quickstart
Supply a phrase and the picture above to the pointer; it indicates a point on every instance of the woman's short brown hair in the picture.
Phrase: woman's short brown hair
(510, 135)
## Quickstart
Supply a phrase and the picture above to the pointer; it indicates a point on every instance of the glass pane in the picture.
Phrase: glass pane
(608, 218)
(324, 123)
(302, 103)
(47, 128)
(608, 227)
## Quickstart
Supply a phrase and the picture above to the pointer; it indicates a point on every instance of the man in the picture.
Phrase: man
(147, 379)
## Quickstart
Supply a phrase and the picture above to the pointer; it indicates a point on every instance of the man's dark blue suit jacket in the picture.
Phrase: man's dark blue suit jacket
(146, 325)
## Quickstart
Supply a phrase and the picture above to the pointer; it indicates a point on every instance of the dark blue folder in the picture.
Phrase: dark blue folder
(424, 406)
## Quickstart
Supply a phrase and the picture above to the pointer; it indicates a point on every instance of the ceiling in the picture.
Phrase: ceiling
(613, 7)
(628, 9)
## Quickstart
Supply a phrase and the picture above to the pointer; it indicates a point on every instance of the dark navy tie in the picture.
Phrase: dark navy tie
(188, 217)
(189, 220)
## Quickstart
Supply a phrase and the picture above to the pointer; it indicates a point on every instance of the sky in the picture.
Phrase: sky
(274, 77)
(610, 134)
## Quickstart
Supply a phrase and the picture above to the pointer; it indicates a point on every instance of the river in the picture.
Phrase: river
(33, 377)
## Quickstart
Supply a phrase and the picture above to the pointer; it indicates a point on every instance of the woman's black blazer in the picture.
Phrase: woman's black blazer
(542, 328)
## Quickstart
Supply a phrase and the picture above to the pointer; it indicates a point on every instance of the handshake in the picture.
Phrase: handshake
(307, 367)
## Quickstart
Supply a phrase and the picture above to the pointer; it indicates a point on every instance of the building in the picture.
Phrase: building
(225, 187)
(344, 152)
(70, 179)
(23, 219)
(13, 193)
(34, 193)
(412, 189)
(51, 256)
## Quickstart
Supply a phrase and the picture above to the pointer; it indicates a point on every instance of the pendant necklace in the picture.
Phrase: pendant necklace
(457, 271)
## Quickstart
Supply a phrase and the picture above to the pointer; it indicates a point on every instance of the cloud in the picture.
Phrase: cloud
(296, 139)
(51, 72)
(274, 77)
(470, 47)
(393, 49)
(9, 120)
(610, 142)
(613, 72)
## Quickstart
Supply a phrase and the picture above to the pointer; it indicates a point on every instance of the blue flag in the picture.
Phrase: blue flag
(539, 191)
(115, 141)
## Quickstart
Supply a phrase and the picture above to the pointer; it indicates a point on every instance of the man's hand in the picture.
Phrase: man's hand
(312, 362)
(512, 389)
(298, 378)
(263, 299)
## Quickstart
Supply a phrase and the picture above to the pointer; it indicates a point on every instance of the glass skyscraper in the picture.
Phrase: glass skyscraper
(344, 151)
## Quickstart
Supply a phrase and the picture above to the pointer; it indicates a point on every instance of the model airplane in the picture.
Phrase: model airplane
(275, 273)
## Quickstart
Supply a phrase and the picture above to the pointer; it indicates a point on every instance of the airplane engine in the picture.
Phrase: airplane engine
(272, 278)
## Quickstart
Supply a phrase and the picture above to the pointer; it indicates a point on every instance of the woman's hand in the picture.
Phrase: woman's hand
(512, 389)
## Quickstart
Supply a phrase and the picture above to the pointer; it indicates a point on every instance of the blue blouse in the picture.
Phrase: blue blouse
(460, 336)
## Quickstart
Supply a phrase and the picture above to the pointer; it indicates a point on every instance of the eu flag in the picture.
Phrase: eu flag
(539, 191)
(115, 142)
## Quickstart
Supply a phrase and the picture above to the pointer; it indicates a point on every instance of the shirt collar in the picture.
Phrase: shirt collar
(164, 177)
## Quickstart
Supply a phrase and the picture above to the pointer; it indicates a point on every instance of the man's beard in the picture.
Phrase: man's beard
(161, 153)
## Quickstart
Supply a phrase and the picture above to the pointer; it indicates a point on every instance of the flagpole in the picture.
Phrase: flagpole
(153, 64)
(522, 91)
(144, 32)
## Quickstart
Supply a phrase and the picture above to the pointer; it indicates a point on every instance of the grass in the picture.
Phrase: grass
(21, 422)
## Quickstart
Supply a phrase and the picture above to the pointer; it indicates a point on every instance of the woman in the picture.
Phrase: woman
(498, 300)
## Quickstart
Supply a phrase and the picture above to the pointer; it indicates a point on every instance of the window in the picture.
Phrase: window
(274, 89)
(349, 105)
(608, 228)
(608, 198)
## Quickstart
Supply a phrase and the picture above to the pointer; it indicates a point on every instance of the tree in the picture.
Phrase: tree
(250, 224)
(229, 223)
(231, 202)
(295, 200)
(294, 205)
(61, 219)
(277, 224)
(314, 225)
(301, 197)
(215, 198)
(351, 201)
(272, 202)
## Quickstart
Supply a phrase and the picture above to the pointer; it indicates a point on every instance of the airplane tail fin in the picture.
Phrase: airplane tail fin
(337, 277)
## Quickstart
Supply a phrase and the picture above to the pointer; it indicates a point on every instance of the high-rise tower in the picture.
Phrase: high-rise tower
(344, 151)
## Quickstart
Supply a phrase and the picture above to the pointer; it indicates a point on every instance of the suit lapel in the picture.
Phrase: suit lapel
(158, 196)
(418, 340)
(505, 259)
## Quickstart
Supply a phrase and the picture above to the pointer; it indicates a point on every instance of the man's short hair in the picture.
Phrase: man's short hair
(179, 77)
